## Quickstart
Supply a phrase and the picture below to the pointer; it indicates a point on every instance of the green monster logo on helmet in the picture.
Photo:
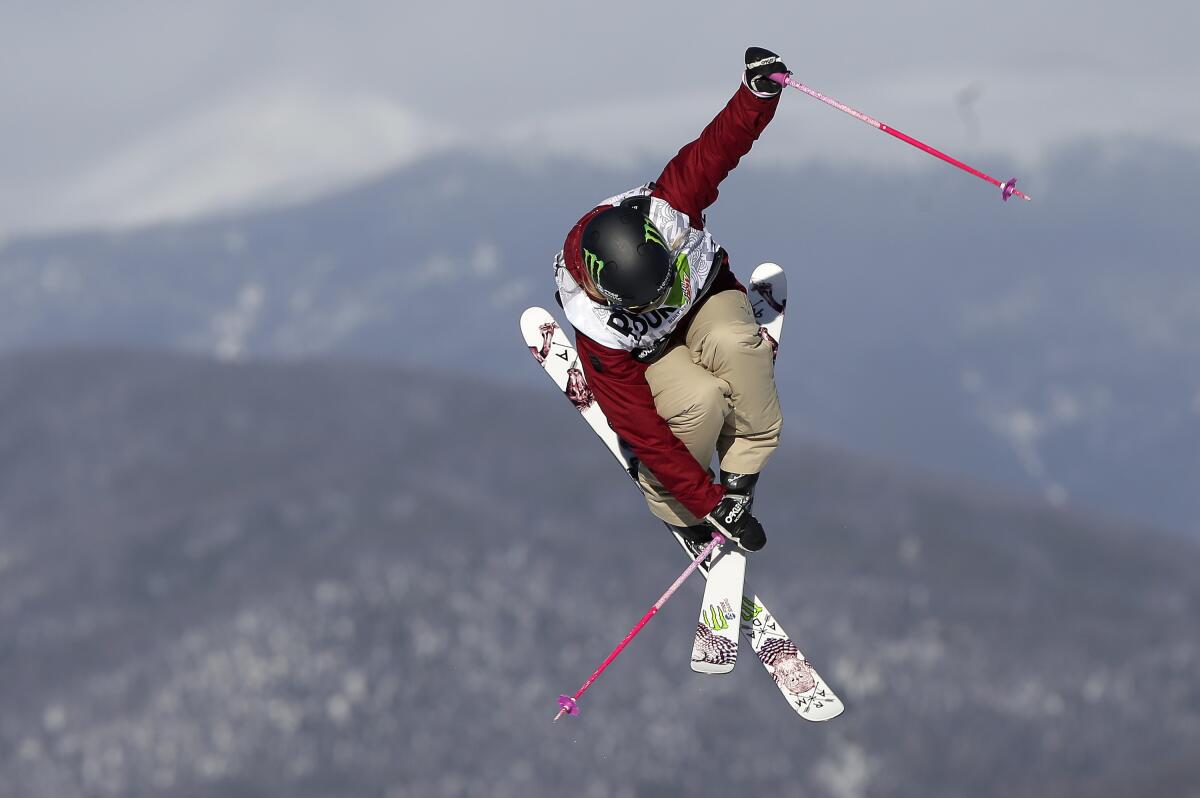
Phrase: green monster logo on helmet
(652, 234)
(593, 264)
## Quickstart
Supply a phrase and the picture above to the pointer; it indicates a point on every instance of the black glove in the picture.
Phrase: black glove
(732, 518)
(760, 64)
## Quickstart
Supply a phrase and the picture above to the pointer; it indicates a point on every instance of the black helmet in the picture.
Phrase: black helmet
(626, 258)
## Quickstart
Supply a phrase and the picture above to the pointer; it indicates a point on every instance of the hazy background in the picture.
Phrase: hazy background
(285, 505)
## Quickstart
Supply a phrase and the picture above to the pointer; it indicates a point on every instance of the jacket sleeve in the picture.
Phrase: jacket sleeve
(689, 182)
(619, 384)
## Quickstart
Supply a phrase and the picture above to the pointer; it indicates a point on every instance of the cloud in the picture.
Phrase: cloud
(268, 145)
(287, 143)
(312, 124)
(128, 114)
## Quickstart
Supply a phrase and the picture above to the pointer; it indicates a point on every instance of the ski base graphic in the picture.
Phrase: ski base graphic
(715, 647)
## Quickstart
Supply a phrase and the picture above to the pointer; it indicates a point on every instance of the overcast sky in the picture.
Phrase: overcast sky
(120, 113)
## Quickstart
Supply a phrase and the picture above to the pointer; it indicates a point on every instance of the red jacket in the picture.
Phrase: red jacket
(689, 184)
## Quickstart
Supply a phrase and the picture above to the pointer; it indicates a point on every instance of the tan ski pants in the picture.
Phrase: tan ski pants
(716, 390)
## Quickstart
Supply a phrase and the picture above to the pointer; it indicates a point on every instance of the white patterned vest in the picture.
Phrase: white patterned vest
(644, 334)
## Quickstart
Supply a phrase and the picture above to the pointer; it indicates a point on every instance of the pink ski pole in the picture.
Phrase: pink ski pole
(1007, 189)
(567, 704)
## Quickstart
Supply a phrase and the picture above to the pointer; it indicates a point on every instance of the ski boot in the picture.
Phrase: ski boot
(740, 485)
(697, 536)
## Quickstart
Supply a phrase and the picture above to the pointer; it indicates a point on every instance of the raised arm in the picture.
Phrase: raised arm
(689, 182)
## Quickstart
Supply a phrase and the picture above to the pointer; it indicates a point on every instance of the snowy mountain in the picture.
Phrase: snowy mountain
(1049, 346)
(326, 578)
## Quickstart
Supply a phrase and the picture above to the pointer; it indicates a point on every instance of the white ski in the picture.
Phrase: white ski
(715, 647)
(803, 688)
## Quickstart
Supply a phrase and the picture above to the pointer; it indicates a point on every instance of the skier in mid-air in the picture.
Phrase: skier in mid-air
(665, 332)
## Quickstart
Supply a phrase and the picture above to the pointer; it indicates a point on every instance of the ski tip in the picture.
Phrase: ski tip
(531, 314)
(765, 271)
